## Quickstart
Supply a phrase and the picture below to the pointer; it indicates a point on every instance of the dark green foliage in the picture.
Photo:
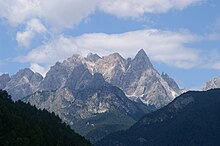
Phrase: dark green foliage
(22, 124)
(197, 123)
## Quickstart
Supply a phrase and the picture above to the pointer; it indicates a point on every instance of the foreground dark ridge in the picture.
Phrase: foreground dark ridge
(22, 124)
(191, 119)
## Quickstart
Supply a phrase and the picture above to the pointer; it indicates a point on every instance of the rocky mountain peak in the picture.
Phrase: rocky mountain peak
(71, 62)
(141, 55)
(92, 57)
(141, 52)
(116, 56)
(212, 84)
(113, 59)
(142, 60)
(24, 72)
(23, 83)
(171, 82)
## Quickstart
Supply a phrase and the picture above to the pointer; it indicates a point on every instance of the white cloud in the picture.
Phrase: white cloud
(39, 69)
(34, 26)
(24, 38)
(55, 15)
(137, 8)
(18, 11)
(65, 13)
(56, 50)
(162, 46)
(68, 13)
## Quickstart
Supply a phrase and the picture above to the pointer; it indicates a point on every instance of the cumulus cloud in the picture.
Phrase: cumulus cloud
(65, 13)
(34, 26)
(68, 13)
(18, 11)
(24, 38)
(162, 46)
(51, 52)
(57, 15)
(137, 8)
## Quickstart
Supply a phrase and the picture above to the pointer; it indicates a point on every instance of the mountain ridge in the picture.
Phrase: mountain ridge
(190, 119)
(136, 77)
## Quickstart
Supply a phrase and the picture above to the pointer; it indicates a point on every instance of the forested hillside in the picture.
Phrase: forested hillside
(22, 124)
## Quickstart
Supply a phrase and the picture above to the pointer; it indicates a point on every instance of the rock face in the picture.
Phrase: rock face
(212, 84)
(136, 77)
(94, 108)
(58, 74)
(23, 83)
(171, 82)
(4, 79)
(193, 118)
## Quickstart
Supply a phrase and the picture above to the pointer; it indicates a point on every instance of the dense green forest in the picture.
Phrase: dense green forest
(22, 124)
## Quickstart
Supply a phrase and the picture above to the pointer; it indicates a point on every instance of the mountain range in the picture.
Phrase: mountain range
(96, 95)
(136, 77)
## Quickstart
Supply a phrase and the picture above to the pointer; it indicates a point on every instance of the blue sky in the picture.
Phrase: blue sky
(181, 37)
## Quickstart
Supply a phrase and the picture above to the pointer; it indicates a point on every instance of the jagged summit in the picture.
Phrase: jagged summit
(92, 57)
(141, 52)
(116, 56)
(136, 77)
(25, 71)
(23, 83)
(212, 84)
(142, 59)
